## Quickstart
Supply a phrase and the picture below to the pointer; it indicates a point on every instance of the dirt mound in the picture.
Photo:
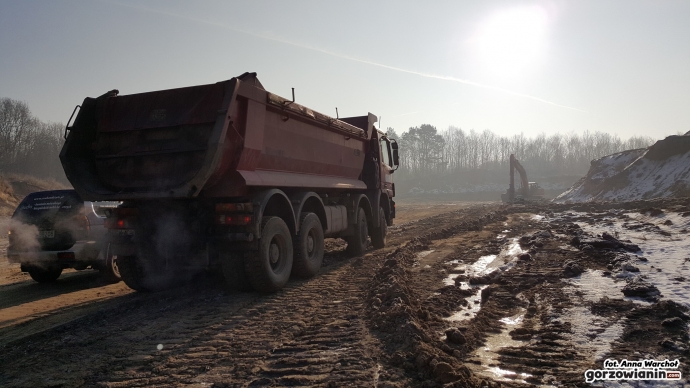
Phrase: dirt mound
(7, 199)
(660, 171)
(14, 187)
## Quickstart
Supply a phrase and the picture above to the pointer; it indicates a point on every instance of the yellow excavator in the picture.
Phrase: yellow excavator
(528, 191)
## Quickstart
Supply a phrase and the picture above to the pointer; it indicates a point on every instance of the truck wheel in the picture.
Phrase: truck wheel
(234, 273)
(357, 243)
(139, 278)
(111, 272)
(132, 272)
(45, 275)
(378, 235)
(308, 247)
(269, 269)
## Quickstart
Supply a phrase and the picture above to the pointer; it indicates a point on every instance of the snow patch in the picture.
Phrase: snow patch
(660, 171)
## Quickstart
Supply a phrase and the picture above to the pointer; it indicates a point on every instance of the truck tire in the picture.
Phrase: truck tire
(132, 272)
(357, 243)
(308, 246)
(269, 269)
(139, 278)
(378, 235)
(110, 271)
(45, 275)
(232, 266)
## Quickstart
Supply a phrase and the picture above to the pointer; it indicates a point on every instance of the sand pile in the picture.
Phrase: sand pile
(660, 171)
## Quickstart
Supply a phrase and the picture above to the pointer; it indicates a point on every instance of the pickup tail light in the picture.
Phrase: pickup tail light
(233, 219)
(66, 256)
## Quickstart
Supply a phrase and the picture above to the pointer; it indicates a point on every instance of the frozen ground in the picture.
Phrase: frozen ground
(663, 259)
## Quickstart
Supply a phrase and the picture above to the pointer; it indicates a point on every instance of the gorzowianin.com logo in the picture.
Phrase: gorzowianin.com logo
(635, 370)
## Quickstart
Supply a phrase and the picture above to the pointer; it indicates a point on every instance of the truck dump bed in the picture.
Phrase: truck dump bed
(214, 140)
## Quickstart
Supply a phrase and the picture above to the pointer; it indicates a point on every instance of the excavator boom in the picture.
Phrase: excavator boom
(525, 191)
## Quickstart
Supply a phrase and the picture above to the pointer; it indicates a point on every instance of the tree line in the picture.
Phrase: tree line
(423, 151)
(27, 144)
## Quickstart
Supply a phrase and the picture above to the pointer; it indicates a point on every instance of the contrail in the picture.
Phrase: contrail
(350, 58)
(426, 75)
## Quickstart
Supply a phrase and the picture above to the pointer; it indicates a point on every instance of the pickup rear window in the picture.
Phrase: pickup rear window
(47, 204)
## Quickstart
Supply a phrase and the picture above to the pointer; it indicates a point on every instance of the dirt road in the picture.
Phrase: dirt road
(465, 295)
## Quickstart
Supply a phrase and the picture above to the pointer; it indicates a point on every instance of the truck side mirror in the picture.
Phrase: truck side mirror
(396, 158)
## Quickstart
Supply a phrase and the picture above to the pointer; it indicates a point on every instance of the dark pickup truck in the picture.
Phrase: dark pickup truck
(54, 230)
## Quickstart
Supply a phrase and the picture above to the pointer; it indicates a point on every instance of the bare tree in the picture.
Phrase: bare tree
(28, 145)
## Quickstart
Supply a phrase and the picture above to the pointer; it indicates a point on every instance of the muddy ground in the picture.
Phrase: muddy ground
(466, 294)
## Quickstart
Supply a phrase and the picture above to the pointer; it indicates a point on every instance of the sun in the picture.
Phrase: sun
(511, 41)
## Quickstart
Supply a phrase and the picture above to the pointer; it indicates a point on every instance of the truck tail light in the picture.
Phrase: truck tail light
(234, 219)
(121, 217)
(118, 223)
(234, 207)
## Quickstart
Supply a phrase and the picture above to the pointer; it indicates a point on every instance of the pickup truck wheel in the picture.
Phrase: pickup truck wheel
(234, 273)
(378, 235)
(269, 269)
(111, 272)
(308, 247)
(45, 275)
(357, 243)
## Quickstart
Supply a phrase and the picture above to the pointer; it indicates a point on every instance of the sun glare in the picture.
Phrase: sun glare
(511, 41)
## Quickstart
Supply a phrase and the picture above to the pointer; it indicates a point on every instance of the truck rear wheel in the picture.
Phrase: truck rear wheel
(378, 235)
(45, 275)
(357, 243)
(308, 247)
(131, 272)
(269, 269)
(138, 277)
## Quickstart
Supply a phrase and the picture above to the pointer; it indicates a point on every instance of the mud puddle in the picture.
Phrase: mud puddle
(465, 275)
(485, 359)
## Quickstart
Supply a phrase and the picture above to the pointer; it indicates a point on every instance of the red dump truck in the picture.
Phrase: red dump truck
(229, 177)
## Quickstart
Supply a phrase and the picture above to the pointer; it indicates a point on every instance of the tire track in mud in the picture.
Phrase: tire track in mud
(523, 333)
(326, 342)
(100, 344)
(408, 326)
(311, 334)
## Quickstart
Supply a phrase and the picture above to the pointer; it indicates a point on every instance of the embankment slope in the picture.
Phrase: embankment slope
(660, 171)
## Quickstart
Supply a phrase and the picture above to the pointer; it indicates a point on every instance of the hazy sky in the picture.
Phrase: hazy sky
(508, 66)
